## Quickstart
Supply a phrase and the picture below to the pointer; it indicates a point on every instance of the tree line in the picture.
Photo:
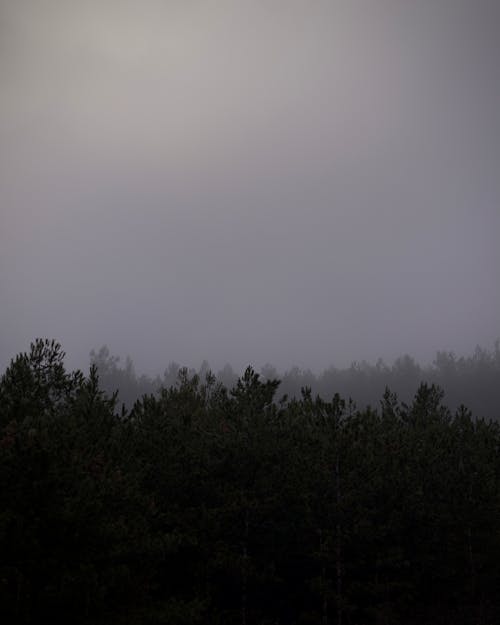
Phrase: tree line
(209, 504)
(472, 380)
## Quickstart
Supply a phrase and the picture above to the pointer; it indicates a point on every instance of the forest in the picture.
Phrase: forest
(249, 501)
(473, 380)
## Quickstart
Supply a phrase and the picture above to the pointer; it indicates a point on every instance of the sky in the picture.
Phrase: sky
(301, 183)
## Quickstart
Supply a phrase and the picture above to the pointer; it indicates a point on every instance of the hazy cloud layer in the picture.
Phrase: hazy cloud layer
(293, 182)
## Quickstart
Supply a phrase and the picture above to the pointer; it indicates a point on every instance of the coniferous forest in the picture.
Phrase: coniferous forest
(204, 503)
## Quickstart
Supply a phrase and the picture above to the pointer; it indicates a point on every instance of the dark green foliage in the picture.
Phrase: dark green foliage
(70, 514)
(471, 381)
(203, 505)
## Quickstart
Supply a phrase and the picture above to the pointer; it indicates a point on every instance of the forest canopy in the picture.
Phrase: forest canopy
(204, 503)
(472, 380)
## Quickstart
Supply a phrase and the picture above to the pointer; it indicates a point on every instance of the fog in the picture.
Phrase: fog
(305, 183)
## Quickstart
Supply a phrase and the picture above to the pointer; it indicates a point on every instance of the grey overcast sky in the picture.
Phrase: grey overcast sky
(252, 181)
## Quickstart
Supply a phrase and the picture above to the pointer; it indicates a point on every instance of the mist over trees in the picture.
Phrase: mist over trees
(472, 380)
(208, 504)
(250, 182)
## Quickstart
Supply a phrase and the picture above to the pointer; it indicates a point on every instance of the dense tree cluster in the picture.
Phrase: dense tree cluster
(208, 505)
(470, 380)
